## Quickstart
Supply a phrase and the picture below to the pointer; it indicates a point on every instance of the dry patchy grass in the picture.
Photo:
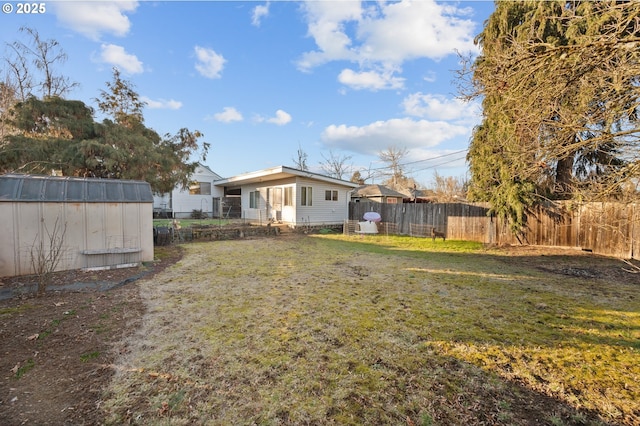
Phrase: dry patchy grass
(380, 330)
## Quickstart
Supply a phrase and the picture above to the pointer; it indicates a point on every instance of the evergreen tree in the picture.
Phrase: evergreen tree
(61, 135)
(560, 87)
(121, 101)
(43, 135)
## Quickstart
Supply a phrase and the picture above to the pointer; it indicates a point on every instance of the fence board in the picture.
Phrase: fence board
(610, 229)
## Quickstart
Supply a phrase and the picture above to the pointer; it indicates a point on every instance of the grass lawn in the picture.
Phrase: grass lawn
(382, 330)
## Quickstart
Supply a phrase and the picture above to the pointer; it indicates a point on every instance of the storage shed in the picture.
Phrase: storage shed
(93, 223)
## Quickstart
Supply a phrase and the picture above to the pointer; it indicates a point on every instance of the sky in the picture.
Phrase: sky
(263, 80)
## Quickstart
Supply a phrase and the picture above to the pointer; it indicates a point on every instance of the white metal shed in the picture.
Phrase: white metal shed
(101, 223)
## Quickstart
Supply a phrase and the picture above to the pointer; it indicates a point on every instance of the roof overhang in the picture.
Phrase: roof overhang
(278, 173)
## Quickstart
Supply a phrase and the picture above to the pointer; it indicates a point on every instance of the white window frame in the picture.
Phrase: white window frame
(288, 196)
(331, 195)
(306, 196)
(254, 199)
(199, 188)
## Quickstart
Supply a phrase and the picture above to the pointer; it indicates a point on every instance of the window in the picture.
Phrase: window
(306, 195)
(200, 188)
(95, 191)
(392, 200)
(288, 196)
(331, 195)
(75, 191)
(54, 190)
(254, 200)
(114, 192)
(130, 192)
(31, 189)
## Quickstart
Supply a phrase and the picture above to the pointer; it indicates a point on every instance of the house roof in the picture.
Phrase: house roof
(375, 190)
(207, 170)
(277, 173)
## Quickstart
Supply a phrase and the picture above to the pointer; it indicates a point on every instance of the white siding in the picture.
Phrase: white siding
(162, 202)
(258, 214)
(263, 213)
(322, 212)
(182, 204)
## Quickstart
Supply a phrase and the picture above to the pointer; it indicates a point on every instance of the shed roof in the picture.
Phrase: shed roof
(32, 188)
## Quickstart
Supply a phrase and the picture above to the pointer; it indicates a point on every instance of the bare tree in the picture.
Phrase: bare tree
(7, 100)
(18, 75)
(363, 175)
(394, 171)
(301, 160)
(448, 188)
(393, 157)
(46, 253)
(43, 55)
(335, 165)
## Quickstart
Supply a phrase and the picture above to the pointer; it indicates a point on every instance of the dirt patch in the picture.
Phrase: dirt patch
(572, 263)
(58, 349)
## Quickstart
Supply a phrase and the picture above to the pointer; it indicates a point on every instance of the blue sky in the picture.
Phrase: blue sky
(261, 79)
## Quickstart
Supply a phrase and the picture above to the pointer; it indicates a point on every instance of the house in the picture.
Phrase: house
(289, 196)
(72, 223)
(377, 193)
(202, 195)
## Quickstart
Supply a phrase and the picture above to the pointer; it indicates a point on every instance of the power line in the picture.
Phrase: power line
(439, 164)
(427, 159)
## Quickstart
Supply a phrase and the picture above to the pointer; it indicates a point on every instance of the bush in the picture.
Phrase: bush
(198, 214)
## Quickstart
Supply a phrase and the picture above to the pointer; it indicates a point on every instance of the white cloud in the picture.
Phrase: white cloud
(386, 32)
(259, 12)
(161, 103)
(326, 24)
(383, 35)
(372, 80)
(92, 19)
(402, 132)
(209, 64)
(439, 107)
(228, 115)
(430, 76)
(281, 118)
(416, 29)
(116, 55)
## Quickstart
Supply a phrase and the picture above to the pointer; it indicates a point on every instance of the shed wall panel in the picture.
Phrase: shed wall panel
(86, 227)
(29, 215)
(7, 230)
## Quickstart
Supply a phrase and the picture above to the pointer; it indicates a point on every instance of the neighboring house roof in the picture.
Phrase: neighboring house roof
(424, 193)
(206, 169)
(276, 173)
(375, 190)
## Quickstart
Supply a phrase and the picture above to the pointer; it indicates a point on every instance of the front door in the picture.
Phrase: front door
(275, 201)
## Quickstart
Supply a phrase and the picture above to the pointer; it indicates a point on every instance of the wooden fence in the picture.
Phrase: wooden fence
(611, 229)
